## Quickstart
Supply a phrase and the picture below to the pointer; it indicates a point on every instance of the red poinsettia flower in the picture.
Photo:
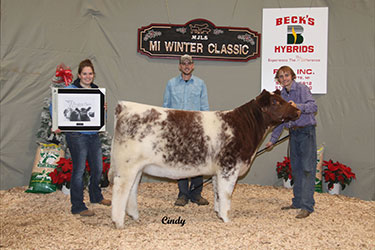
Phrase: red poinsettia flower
(329, 176)
(347, 171)
(331, 166)
(53, 176)
(67, 167)
(337, 172)
(340, 178)
(62, 174)
(284, 170)
(87, 167)
(60, 179)
(106, 167)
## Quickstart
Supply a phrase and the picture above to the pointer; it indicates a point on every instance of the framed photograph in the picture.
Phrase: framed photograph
(78, 109)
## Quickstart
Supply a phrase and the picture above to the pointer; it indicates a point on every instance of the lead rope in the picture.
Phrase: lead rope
(288, 155)
(257, 154)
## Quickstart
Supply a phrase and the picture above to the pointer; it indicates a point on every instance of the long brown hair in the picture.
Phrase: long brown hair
(85, 63)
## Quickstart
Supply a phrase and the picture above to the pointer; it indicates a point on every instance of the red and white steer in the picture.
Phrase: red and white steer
(177, 144)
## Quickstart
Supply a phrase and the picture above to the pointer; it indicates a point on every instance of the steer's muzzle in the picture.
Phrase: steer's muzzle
(294, 113)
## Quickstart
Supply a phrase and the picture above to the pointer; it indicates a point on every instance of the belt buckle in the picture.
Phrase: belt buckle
(298, 127)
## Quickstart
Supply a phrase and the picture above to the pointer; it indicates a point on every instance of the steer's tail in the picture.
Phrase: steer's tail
(112, 170)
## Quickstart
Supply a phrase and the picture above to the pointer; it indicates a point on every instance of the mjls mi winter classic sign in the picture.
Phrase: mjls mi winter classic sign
(199, 38)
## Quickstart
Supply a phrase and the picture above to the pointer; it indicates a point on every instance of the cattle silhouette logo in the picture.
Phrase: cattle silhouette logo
(199, 28)
(294, 34)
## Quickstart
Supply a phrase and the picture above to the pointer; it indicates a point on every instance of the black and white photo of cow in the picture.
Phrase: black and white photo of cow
(77, 114)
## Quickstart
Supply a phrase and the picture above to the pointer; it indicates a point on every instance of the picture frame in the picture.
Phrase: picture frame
(78, 109)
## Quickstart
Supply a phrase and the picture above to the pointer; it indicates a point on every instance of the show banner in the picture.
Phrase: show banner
(199, 38)
(296, 37)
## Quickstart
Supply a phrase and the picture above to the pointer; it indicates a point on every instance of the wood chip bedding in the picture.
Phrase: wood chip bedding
(44, 221)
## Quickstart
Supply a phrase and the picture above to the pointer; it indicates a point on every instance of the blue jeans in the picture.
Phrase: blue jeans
(303, 160)
(82, 147)
(183, 186)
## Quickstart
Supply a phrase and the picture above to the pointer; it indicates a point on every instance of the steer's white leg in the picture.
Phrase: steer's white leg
(225, 188)
(120, 194)
(118, 202)
(132, 207)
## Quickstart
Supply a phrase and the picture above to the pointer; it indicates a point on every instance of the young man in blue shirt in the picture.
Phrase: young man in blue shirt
(303, 155)
(187, 92)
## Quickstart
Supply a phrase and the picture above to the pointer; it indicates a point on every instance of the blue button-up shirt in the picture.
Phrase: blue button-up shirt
(301, 95)
(190, 95)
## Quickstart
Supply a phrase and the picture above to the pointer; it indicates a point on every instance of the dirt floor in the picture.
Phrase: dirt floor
(44, 221)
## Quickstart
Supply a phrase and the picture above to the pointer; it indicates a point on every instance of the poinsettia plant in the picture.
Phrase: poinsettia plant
(284, 170)
(336, 172)
(62, 174)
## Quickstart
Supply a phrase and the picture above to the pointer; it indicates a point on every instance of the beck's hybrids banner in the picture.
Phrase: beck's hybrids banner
(296, 37)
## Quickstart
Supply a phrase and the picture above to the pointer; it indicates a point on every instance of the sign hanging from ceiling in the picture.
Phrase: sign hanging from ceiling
(199, 38)
(296, 37)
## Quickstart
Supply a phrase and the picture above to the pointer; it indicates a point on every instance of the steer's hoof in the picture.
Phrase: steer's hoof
(134, 216)
(118, 225)
(224, 218)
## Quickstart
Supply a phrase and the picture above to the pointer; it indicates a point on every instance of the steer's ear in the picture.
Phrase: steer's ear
(277, 92)
(264, 98)
(118, 109)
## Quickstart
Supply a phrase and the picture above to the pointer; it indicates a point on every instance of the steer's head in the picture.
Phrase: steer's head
(275, 109)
